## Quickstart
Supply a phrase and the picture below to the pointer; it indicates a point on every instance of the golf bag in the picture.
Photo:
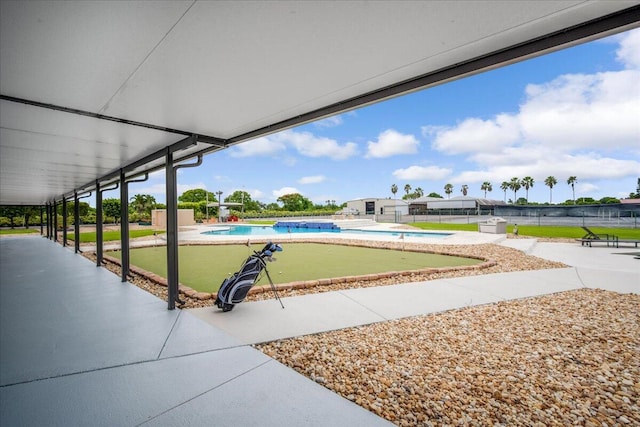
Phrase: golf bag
(234, 289)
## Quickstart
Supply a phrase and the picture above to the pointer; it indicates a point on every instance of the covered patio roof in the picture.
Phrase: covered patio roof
(90, 89)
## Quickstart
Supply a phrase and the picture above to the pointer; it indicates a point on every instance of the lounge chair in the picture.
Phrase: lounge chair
(591, 237)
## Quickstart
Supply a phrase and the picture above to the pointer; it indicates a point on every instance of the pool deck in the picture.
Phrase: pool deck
(374, 231)
(79, 347)
(195, 234)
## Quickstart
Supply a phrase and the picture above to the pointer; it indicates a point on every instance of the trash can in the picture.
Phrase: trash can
(495, 225)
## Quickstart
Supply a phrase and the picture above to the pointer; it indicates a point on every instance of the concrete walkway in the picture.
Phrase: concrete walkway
(78, 347)
(598, 267)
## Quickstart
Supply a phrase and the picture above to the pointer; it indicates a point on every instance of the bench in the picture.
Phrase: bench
(592, 237)
(608, 239)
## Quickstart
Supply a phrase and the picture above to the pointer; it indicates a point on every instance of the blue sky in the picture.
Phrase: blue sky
(575, 112)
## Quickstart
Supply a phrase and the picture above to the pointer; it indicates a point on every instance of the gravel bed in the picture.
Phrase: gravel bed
(571, 358)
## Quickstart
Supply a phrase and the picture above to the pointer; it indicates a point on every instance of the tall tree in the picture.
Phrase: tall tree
(394, 190)
(407, 188)
(142, 204)
(34, 211)
(514, 185)
(550, 181)
(486, 186)
(448, 189)
(11, 212)
(464, 189)
(240, 196)
(111, 207)
(572, 181)
(197, 195)
(527, 182)
(295, 202)
(504, 187)
(419, 192)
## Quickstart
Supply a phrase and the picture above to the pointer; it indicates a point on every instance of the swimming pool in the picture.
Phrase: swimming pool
(263, 230)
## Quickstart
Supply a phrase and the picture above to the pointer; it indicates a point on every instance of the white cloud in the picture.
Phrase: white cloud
(255, 194)
(285, 190)
(583, 111)
(305, 143)
(586, 188)
(316, 179)
(472, 134)
(585, 125)
(392, 143)
(153, 190)
(159, 174)
(422, 173)
(629, 51)
(329, 122)
(263, 146)
(587, 166)
(310, 145)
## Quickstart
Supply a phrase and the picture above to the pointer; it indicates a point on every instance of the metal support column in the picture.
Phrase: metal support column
(124, 226)
(99, 221)
(41, 219)
(55, 221)
(172, 228)
(76, 222)
(76, 219)
(64, 221)
(50, 220)
(48, 208)
(98, 225)
(172, 232)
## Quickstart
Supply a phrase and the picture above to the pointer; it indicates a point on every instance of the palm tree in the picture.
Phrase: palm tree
(419, 192)
(527, 182)
(514, 184)
(407, 189)
(550, 182)
(572, 181)
(504, 187)
(143, 203)
(394, 190)
(448, 189)
(486, 186)
(464, 189)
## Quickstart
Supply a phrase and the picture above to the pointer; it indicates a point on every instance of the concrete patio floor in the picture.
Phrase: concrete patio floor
(79, 347)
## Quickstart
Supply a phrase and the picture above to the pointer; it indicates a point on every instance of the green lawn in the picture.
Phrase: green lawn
(203, 268)
(20, 231)
(90, 237)
(569, 232)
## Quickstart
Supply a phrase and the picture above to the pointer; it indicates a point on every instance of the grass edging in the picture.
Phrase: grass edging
(308, 284)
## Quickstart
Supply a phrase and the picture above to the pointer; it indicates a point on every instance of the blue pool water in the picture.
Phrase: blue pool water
(251, 230)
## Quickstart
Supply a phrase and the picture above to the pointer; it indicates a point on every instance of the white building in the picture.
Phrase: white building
(458, 205)
(373, 206)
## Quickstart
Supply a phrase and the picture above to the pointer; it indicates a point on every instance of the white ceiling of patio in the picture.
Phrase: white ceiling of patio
(159, 71)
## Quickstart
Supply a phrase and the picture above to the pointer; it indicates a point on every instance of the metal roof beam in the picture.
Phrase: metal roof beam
(601, 27)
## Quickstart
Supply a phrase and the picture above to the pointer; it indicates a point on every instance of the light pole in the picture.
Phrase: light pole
(219, 193)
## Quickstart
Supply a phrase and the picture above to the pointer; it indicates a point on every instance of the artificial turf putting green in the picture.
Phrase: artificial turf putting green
(203, 268)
